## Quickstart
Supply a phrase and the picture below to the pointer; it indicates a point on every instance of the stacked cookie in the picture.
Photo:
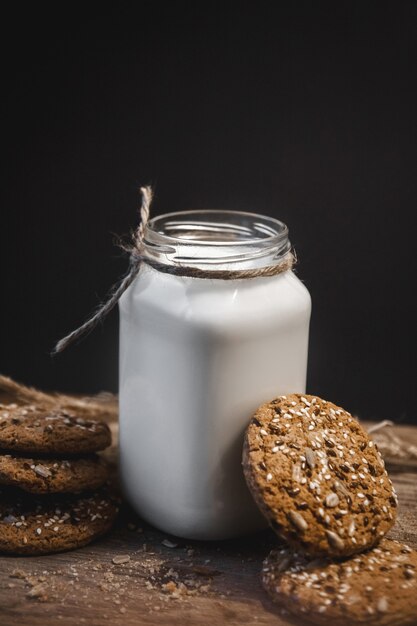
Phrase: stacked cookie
(53, 493)
(321, 483)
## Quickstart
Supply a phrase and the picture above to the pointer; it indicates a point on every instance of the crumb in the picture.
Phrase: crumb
(120, 559)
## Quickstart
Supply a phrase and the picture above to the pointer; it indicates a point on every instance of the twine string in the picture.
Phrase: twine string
(392, 447)
(135, 249)
(135, 258)
(101, 406)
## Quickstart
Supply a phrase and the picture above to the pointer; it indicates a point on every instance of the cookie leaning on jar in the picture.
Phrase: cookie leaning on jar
(317, 476)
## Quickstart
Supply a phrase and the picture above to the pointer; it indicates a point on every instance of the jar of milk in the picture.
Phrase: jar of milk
(197, 357)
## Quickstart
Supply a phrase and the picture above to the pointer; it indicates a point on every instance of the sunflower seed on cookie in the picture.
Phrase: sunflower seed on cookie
(377, 587)
(46, 475)
(34, 430)
(325, 489)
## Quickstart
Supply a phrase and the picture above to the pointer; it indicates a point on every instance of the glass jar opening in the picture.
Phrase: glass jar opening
(212, 237)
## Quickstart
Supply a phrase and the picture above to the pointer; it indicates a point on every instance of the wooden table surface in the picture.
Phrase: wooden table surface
(183, 582)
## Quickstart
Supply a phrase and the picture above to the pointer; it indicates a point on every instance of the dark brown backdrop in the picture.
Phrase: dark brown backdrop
(305, 111)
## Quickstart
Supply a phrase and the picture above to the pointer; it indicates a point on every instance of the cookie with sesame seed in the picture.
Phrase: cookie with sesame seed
(377, 587)
(317, 476)
(46, 475)
(34, 430)
(52, 523)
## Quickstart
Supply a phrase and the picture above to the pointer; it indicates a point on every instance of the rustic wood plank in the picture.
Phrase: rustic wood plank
(85, 586)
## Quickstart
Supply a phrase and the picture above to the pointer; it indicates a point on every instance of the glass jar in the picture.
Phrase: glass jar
(197, 357)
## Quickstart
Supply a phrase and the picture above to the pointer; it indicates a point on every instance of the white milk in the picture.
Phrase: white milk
(197, 357)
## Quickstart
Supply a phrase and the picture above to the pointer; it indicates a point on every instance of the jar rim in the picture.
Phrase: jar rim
(261, 224)
(216, 237)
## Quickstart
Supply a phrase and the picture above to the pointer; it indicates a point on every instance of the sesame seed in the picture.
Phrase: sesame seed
(41, 470)
(310, 458)
(382, 605)
(296, 473)
(332, 500)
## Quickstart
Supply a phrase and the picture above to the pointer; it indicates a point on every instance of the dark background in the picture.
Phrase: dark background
(301, 110)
